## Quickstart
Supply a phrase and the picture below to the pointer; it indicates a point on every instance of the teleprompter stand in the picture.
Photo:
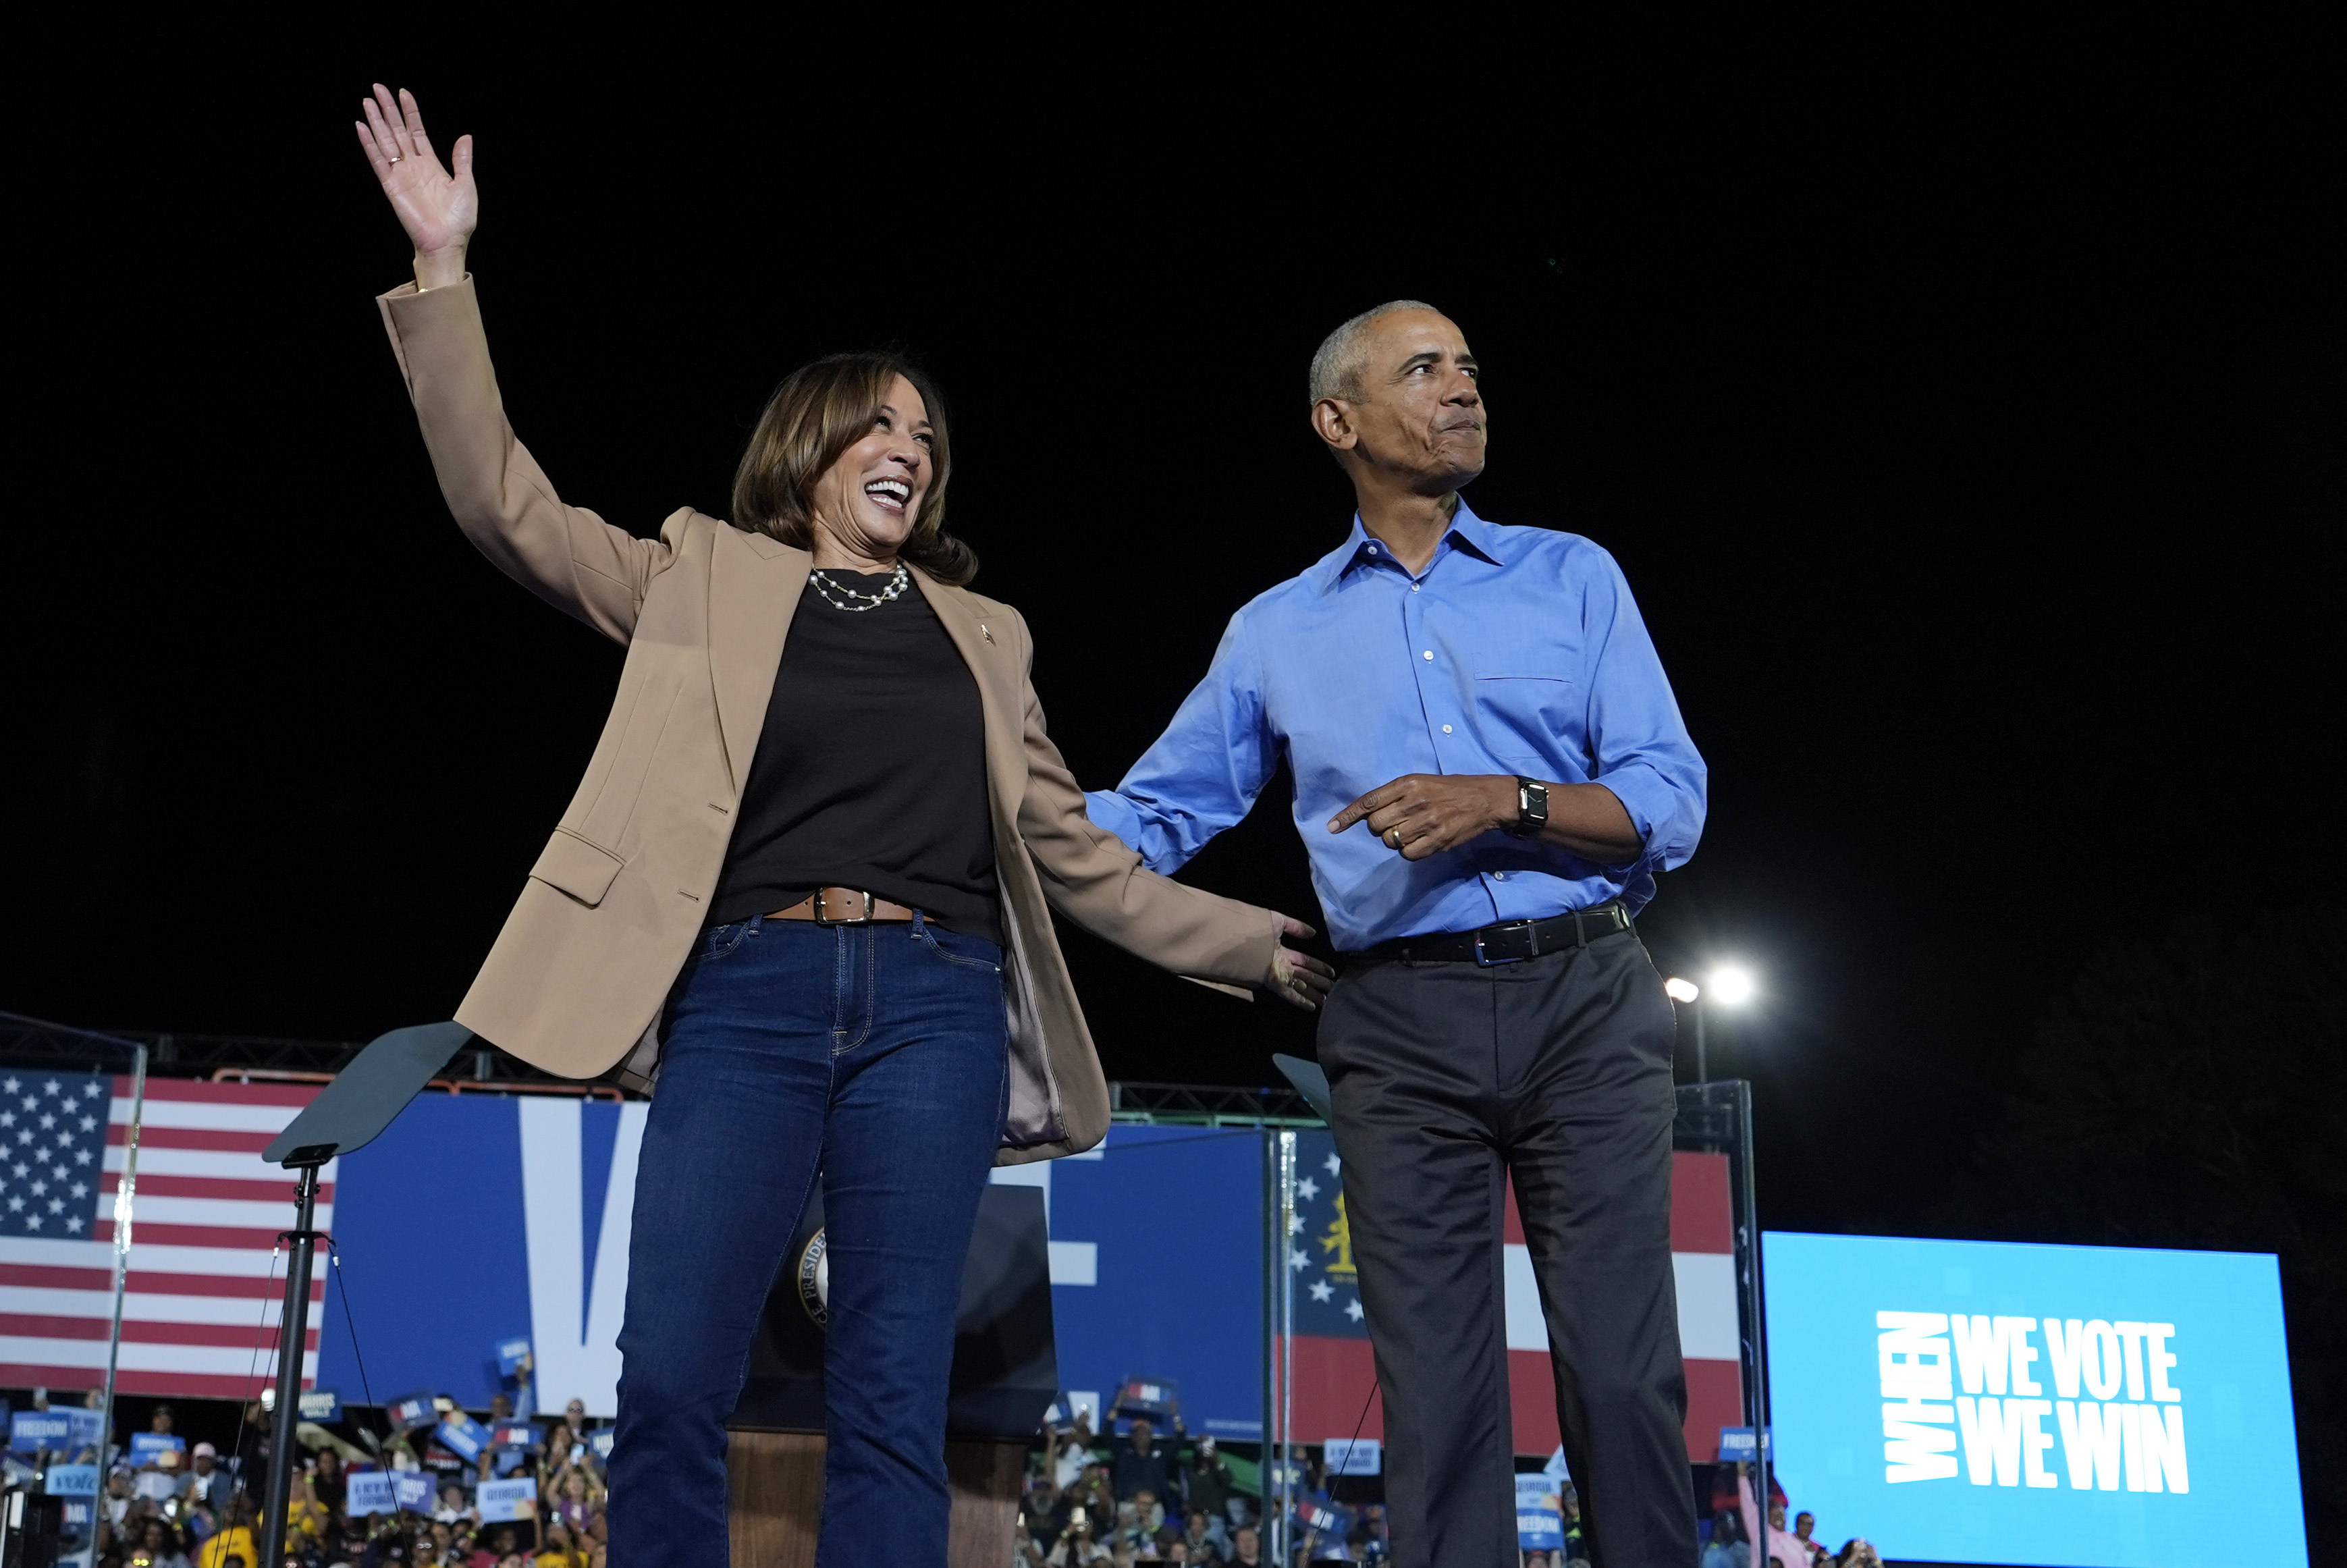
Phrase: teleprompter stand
(346, 1116)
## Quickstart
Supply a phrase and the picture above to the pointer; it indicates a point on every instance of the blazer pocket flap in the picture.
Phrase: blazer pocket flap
(581, 869)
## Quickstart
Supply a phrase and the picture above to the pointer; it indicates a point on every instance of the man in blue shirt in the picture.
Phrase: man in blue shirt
(1490, 769)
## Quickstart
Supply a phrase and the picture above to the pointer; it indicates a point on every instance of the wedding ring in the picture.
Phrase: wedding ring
(394, 158)
(1393, 837)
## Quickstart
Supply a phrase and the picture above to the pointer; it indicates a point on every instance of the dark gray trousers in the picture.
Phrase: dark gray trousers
(1446, 1077)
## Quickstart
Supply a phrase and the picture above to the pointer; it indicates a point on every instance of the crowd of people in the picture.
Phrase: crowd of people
(1096, 1498)
(1092, 1498)
(164, 1504)
(1734, 1524)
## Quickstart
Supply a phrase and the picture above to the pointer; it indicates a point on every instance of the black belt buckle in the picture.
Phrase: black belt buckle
(1483, 961)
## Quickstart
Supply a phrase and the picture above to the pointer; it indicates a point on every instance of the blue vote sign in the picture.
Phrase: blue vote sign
(2002, 1403)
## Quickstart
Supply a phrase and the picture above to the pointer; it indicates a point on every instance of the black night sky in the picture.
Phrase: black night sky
(1972, 438)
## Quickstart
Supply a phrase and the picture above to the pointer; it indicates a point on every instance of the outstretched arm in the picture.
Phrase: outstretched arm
(502, 500)
(1098, 883)
(1204, 771)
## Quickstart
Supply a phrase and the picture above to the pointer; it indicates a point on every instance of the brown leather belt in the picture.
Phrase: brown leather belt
(855, 906)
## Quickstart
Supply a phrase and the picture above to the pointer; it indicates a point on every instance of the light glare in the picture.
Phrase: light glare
(1732, 985)
(1680, 991)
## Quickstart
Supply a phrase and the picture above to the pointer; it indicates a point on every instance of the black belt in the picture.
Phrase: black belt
(1511, 942)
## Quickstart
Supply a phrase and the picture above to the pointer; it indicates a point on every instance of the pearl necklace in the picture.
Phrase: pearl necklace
(826, 586)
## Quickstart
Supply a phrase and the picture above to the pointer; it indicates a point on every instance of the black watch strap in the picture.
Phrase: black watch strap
(1531, 807)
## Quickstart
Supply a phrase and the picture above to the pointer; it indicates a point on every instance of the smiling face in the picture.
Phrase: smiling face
(1415, 408)
(866, 503)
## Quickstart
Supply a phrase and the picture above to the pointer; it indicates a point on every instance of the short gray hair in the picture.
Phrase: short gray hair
(1336, 365)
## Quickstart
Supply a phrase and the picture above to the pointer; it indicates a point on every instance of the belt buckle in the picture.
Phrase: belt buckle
(1482, 962)
(863, 919)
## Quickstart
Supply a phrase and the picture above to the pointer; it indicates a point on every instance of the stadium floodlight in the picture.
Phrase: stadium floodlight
(1680, 991)
(1733, 985)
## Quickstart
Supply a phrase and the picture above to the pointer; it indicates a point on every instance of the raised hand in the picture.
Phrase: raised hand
(1297, 978)
(438, 207)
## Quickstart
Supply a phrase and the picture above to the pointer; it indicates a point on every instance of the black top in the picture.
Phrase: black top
(871, 770)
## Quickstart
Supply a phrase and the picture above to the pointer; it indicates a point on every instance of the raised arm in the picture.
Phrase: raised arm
(502, 500)
(1097, 882)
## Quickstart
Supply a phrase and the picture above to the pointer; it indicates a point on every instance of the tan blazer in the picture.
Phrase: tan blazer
(579, 976)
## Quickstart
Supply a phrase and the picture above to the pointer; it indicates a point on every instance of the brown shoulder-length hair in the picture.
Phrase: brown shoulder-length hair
(818, 412)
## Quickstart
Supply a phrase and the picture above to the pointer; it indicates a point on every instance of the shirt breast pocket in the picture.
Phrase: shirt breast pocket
(1527, 714)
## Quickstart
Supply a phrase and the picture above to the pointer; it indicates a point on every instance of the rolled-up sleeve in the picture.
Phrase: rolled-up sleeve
(1643, 752)
(1204, 771)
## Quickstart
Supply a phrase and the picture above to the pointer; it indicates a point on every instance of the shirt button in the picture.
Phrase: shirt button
(1428, 654)
(1373, 549)
(1414, 587)
(1446, 729)
(1499, 876)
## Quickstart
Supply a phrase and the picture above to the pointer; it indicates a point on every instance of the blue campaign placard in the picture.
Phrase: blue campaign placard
(322, 1405)
(58, 1431)
(1540, 1514)
(72, 1481)
(144, 1446)
(371, 1492)
(1998, 1403)
(464, 1436)
(412, 1490)
(513, 1355)
(503, 1502)
(1740, 1443)
(1355, 1456)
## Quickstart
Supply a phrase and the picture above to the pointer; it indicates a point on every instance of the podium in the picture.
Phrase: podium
(1005, 1375)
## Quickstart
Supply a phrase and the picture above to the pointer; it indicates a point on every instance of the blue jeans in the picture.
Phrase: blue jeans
(876, 1059)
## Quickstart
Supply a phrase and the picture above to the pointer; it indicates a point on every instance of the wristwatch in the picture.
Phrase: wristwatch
(1531, 807)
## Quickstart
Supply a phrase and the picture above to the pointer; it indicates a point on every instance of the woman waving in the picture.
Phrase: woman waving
(807, 883)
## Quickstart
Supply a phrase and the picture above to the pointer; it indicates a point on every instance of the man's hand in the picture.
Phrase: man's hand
(1419, 815)
(1297, 978)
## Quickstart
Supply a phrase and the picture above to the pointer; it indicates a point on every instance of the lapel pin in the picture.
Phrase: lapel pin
(982, 631)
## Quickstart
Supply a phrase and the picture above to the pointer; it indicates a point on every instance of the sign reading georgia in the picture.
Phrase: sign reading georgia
(1982, 1402)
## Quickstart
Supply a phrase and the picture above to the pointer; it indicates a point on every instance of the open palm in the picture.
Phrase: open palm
(438, 207)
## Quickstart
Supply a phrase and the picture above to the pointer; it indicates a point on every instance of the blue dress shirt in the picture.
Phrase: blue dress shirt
(1516, 650)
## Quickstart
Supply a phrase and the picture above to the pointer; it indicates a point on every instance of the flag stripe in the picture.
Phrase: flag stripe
(223, 1287)
(17, 1327)
(209, 1237)
(253, 1143)
(258, 1189)
(179, 1385)
(211, 1116)
(267, 1217)
(234, 1165)
(89, 1355)
(143, 1305)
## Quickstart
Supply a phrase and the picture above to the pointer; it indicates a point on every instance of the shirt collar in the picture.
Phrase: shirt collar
(1466, 530)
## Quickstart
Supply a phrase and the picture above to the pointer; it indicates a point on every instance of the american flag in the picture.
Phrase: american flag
(202, 1300)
